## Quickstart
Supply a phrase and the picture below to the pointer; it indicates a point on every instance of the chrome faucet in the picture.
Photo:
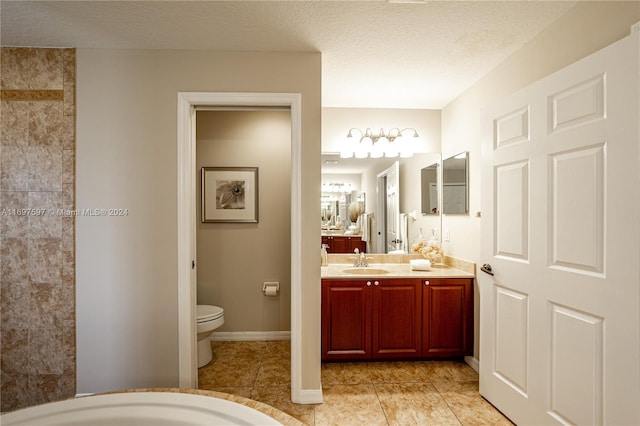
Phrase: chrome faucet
(360, 260)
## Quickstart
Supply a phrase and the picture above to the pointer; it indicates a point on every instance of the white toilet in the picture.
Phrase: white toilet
(209, 318)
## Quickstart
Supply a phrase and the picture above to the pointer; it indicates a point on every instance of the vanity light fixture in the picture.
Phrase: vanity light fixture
(389, 144)
(336, 187)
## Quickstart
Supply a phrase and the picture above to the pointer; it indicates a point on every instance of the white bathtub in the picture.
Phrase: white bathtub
(140, 409)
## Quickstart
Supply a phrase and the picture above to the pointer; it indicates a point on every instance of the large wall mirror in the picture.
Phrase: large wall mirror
(455, 184)
(347, 181)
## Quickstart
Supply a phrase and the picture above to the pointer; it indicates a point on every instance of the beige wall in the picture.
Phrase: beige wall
(127, 312)
(37, 158)
(584, 29)
(234, 259)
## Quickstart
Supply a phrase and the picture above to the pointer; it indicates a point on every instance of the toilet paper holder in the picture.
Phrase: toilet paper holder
(271, 288)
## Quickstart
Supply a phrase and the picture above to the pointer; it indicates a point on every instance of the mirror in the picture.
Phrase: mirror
(455, 178)
(339, 199)
(362, 176)
(329, 208)
(429, 189)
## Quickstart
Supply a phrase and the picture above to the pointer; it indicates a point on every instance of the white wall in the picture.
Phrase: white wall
(126, 272)
(584, 29)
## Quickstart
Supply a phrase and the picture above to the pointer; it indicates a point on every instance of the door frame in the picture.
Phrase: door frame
(382, 207)
(186, 224)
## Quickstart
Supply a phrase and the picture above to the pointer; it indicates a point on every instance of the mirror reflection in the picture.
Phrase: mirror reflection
(358, 209)
(429, 189)
(454, 184)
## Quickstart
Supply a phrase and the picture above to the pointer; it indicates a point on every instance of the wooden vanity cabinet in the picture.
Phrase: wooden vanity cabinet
(397, 316)
(404, 318)
(447, 321)
(371, 319)
(343, 243)
(346, 319)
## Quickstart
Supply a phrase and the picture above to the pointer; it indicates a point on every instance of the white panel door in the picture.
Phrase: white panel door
(560, 319)
(392, 183)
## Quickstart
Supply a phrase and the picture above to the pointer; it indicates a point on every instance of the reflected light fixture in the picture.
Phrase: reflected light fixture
(336, 187)
(389, 144)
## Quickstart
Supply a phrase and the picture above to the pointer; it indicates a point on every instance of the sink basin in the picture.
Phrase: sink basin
(365, 271)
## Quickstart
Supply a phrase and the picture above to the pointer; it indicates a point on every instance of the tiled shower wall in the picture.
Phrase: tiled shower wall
(37, 226)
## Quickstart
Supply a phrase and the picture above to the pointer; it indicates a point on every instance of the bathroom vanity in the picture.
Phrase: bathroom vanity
(388, 311)
(343, 243)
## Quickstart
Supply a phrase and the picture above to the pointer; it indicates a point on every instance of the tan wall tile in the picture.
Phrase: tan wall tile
(45, 260)
(45, 225)
(15, 300)
(50, 387)
(13, 223)
(45, 168)
(14, 351)
(14, 123)
(68, 165)
(15, 391)
(45, 351)
(14, 263)
(31, 69)
(46, 123)
(37, 262)
(14, 172)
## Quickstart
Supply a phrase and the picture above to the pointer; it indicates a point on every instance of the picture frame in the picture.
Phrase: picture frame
(229, 194)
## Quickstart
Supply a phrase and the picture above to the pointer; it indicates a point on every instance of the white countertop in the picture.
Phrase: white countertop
(395, 270)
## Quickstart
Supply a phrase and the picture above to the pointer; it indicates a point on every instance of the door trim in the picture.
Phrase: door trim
(186, 253)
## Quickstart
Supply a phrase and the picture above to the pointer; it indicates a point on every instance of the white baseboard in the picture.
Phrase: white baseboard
(308, 396)
(473, 363)
(80, 395)
(240, 336)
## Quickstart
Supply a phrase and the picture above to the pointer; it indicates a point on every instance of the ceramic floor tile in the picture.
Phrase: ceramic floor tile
(468, 405)
(355, 393)
(278, 347)
(274, 371)
(396, 372)
(237, 350)
(449, 371)
(344, 373)
(349, 405)
(280, 398)
(229, 373)
(244, 391)
(414, 404)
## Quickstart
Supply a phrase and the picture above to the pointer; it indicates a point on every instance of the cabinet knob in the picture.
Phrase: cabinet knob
(376, 283)
(426, 282)
(368, 283)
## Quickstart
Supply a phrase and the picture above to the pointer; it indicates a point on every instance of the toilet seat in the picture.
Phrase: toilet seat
(206, 313)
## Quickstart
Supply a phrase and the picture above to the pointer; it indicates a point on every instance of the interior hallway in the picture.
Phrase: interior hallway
(368, 393)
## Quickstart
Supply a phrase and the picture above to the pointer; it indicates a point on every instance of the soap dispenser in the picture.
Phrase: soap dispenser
(324, 261)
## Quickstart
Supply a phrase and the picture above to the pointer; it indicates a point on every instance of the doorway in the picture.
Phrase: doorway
(388, 209)
(186, 146)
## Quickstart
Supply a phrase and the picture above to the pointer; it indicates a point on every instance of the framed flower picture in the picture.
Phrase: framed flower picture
(230, 194)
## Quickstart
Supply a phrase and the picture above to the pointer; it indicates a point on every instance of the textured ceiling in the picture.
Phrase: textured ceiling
(374, 53)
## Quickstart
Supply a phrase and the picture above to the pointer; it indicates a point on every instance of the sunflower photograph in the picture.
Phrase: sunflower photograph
(229, 194)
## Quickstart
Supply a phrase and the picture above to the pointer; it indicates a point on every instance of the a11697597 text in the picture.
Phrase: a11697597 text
(99, 212)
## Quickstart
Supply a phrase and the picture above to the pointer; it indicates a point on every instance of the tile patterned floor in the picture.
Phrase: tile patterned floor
(370, 393)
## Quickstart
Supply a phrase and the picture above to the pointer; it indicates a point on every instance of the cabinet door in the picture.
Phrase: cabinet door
(346, 319)
(447, 317)
(356, 243)
(336, 244)
(397, 315)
